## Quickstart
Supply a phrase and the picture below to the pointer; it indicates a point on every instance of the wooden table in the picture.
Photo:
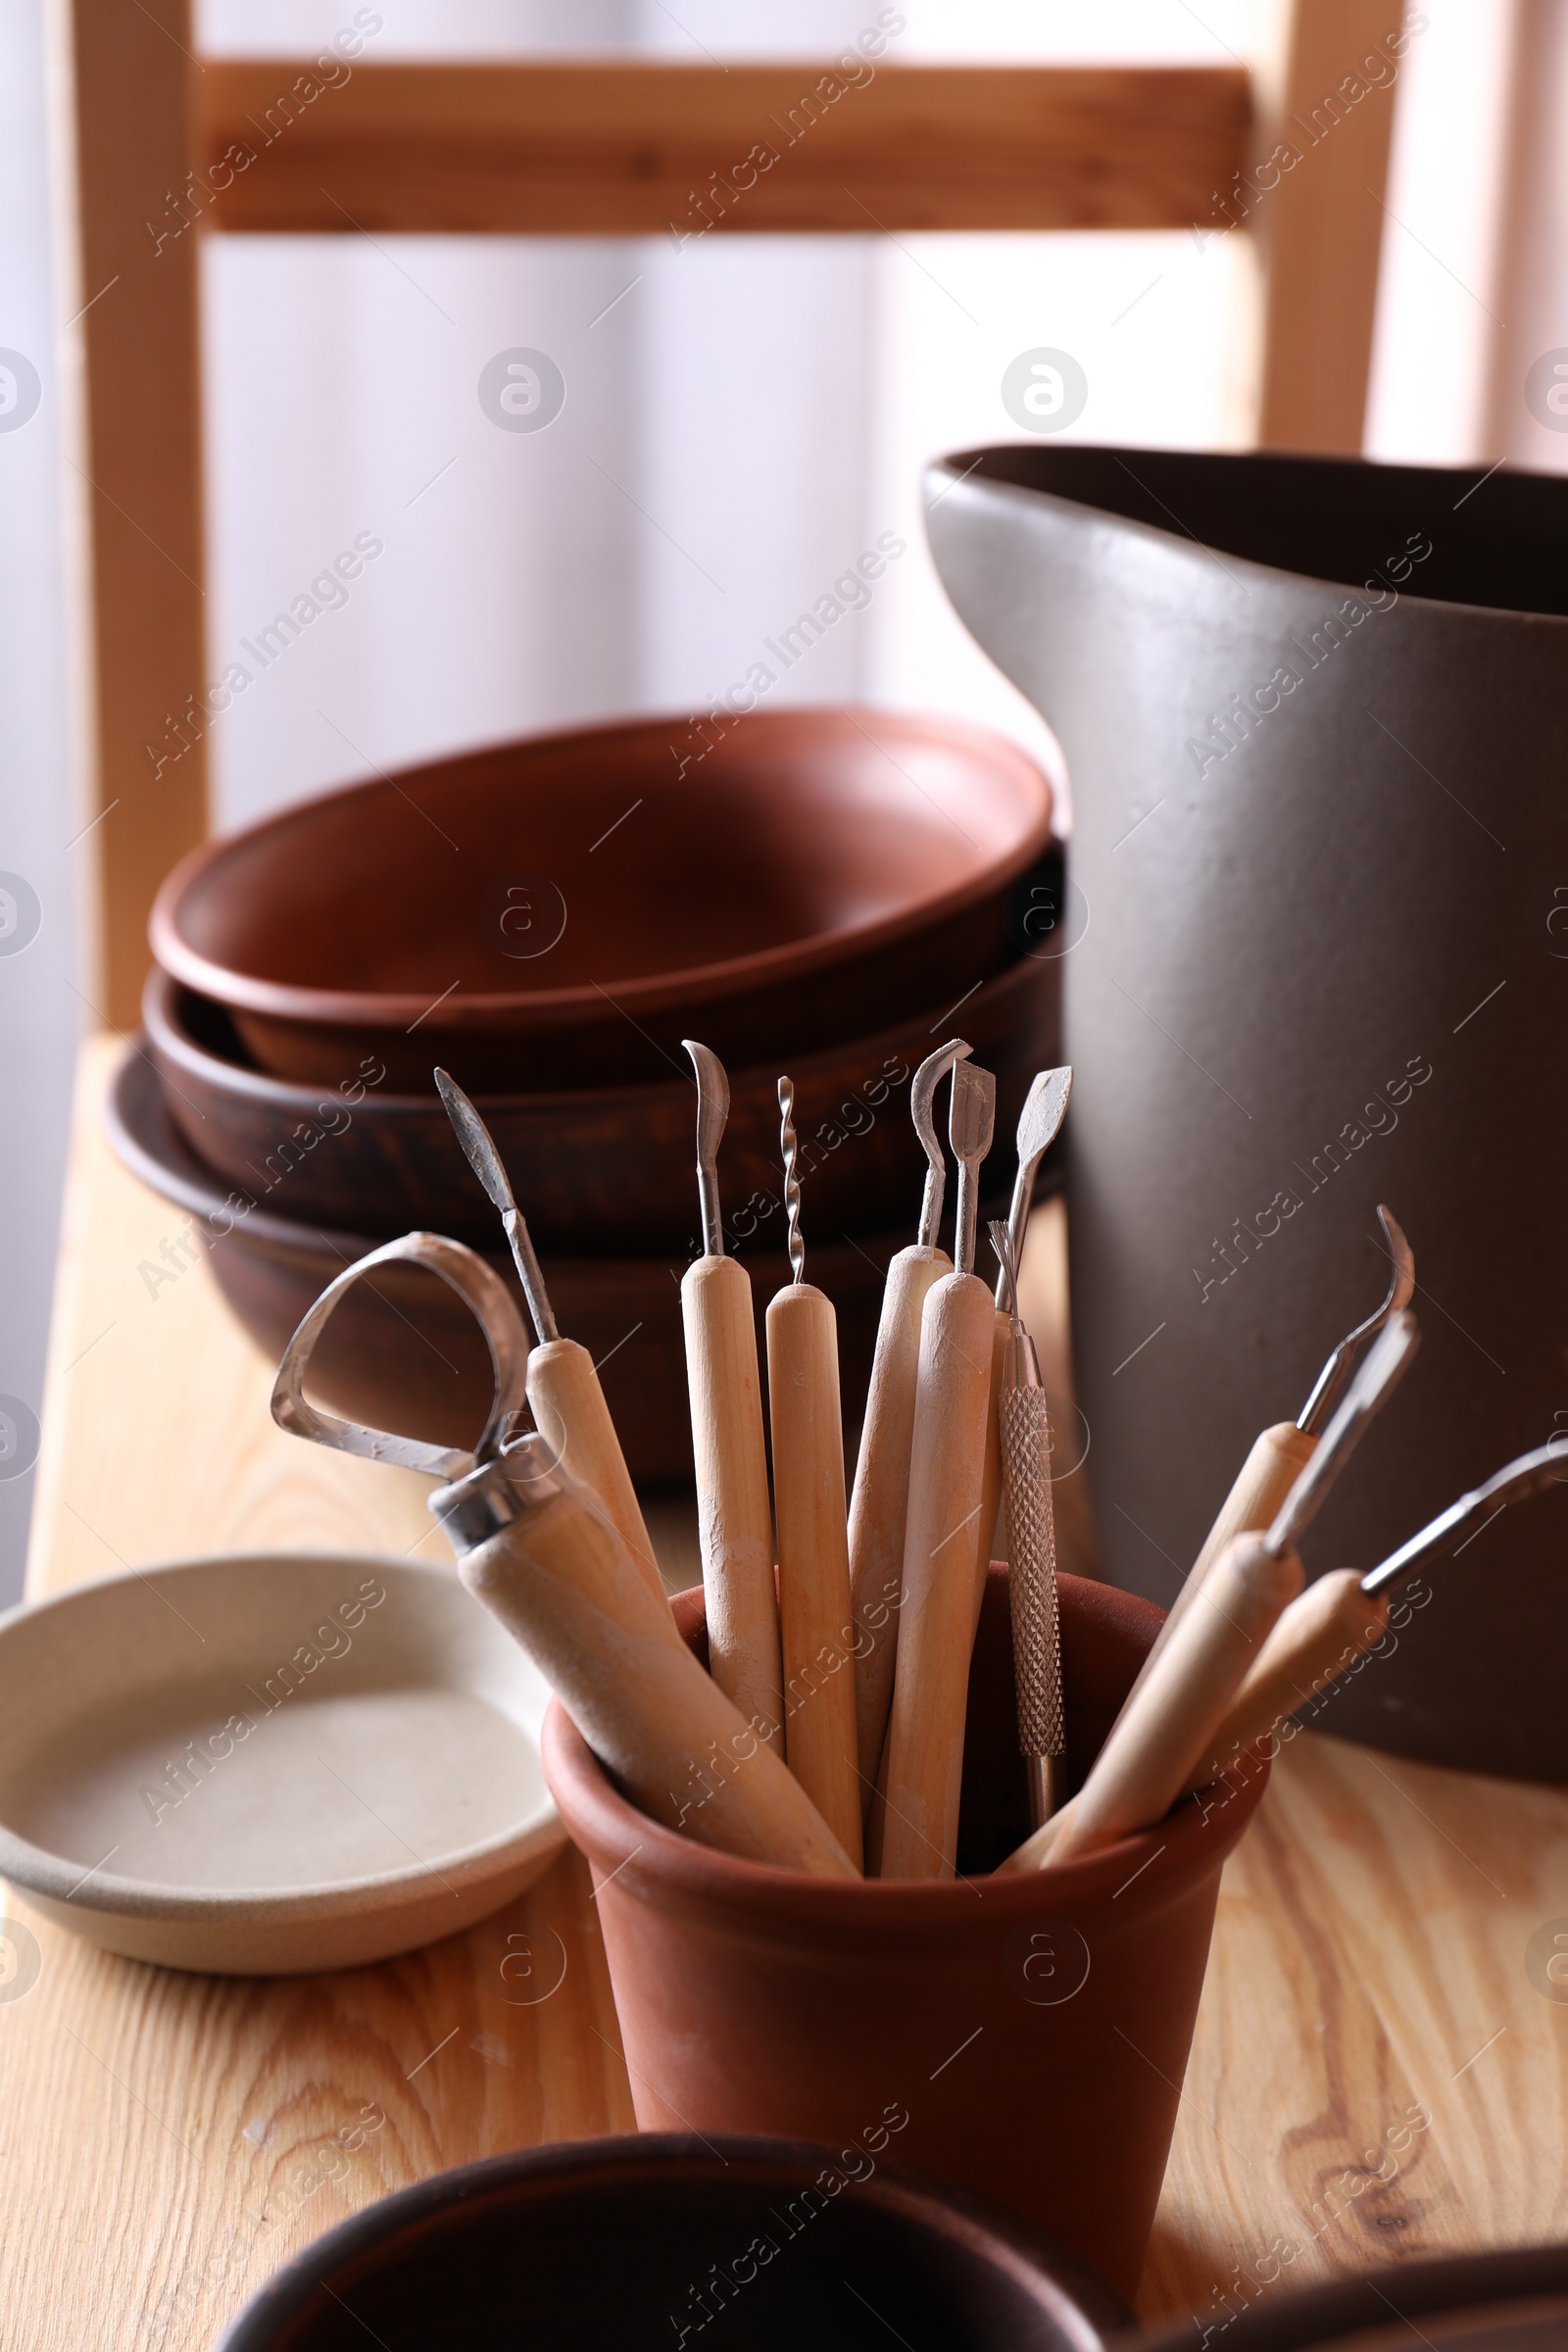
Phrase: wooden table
(163, 2136)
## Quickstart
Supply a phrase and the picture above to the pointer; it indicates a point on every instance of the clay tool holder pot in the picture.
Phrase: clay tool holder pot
(919, 1826)
(1168, 1723)
(735, 1523)
(879, 1503)
(540, 1552)
(1280, 1453)
(563, 1391)
(1344, 1613)
(1043, 2027)
(1024, 1428)
(817, 1636)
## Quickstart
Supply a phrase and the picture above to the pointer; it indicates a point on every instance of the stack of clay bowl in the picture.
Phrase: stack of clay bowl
(828, 893)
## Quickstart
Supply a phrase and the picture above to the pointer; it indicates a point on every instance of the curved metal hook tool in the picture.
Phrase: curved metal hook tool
(1529, 1474)
(484, 1293)
(923, 1108)
(1387, 1361)
(1336, 1371)
(1045, 1107)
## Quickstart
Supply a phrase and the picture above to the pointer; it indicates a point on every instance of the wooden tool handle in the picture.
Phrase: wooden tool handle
(1264, 1480)
(816, 1631)
(1324, 1629)
(879, 1502)
(568, 1405)
(1038, 1848)
(936, 1612)
(734, 1521)
(985, 1526)
(563, 1584)
(1166, 1731)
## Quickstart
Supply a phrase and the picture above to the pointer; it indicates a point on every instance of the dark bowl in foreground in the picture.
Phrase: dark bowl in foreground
(1497, 2301)
(660, 2238)
(560, 909)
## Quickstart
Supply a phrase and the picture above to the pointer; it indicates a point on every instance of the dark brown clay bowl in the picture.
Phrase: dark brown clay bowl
(559, 911)
(609, 1172)
(402, 1353)
(1033, 2028)
(675, 2238)
(1499, 2301)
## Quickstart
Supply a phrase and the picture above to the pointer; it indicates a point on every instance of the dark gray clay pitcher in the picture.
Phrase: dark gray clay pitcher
(1315, 942)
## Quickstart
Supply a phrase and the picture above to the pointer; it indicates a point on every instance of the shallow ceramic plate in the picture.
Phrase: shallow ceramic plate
(263, 1764)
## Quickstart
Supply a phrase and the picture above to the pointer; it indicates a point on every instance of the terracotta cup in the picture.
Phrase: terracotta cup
(1024, 2036)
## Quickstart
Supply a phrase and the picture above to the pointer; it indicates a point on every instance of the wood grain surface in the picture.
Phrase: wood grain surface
(574, 147)
(167, 2141)
(130, 379)
(1321, 219)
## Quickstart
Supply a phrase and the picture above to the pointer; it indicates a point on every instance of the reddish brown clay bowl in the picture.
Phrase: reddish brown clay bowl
(404, 1354)
(1032, 2028)
(544, 912)
(607, 1173)
(676, 2238)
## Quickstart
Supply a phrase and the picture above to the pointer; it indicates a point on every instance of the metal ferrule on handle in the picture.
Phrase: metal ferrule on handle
(497, 1494)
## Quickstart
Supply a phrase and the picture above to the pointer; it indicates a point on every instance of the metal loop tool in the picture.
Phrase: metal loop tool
(486, 1296)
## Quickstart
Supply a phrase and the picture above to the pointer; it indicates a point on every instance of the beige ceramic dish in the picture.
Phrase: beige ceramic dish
(269, 1764)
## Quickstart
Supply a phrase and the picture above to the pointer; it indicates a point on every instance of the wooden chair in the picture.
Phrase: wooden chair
(170, 148)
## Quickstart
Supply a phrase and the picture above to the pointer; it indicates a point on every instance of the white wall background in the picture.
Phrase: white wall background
(741, 417)
(39, 1009)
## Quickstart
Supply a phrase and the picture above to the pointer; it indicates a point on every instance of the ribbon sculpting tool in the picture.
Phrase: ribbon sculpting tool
(542, 1553)
(924, 1763)
(879, 1503)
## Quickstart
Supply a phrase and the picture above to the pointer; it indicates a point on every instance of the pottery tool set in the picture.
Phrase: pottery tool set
(826, 1732)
